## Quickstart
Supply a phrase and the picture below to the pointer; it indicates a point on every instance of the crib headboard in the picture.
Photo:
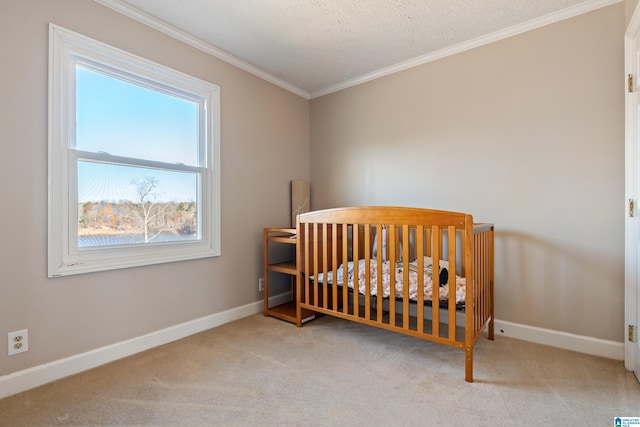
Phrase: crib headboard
(389, 232)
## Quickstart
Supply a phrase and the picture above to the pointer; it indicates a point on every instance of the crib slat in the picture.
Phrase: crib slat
(420, 278)
(307, 244)
(345, 271)
(479, 268)
(367, 271)
(392, 277)
(316, 267)
(334, 266)
(452, 282)
(476, 294)
(324, 258)
(406, 311)
(379, 260)
(479, 271)
(356, 272)
(435, 280)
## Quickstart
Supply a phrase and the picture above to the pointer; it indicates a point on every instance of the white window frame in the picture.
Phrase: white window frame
(66, 49)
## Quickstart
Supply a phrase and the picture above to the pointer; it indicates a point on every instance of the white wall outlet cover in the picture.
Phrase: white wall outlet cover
(17, 342)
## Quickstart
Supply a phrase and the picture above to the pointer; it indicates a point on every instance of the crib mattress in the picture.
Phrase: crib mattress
(427, 285)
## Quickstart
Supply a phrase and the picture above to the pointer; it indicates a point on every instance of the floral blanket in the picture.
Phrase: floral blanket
(427, 284)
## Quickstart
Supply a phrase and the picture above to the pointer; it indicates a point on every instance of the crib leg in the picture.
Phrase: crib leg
(490, 331)
(468, 364)
(297, 298)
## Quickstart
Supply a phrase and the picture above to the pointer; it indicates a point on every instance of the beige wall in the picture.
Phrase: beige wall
(262, 128)
(630, 7)
(527, 133)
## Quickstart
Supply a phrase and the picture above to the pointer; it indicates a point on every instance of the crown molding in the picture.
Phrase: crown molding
(156, 24)
(533, 24)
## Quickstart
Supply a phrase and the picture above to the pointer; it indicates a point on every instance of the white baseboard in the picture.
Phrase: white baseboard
(550, 337)
(559, 339)
(26, 379)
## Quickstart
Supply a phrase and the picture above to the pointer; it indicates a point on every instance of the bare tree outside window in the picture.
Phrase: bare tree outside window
(148, 214)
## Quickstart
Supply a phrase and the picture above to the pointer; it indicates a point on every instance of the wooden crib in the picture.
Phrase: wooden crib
(354, 262)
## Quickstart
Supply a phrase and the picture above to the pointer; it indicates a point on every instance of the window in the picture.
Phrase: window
(133, 160)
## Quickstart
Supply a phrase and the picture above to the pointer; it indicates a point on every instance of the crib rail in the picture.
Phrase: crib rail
(414, 246)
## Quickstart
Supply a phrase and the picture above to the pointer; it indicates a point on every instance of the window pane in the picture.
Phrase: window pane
(123, 205)
(125, 119)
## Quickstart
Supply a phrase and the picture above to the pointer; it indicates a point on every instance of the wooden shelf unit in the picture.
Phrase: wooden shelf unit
(287, 310)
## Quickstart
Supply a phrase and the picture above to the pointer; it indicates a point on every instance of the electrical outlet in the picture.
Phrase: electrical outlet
(18, 342)
(261, 284)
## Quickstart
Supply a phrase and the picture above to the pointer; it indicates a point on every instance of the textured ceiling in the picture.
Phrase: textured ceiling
(316, 45)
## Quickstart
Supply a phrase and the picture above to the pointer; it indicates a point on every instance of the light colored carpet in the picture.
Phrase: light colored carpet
(260, 371)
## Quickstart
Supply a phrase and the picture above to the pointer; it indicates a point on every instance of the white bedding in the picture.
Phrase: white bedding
(399, 275)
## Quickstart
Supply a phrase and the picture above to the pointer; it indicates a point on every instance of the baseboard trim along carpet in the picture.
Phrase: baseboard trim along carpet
(559, 339)
(26, 379)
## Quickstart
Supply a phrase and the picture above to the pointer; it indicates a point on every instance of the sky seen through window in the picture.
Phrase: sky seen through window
(125, 119)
